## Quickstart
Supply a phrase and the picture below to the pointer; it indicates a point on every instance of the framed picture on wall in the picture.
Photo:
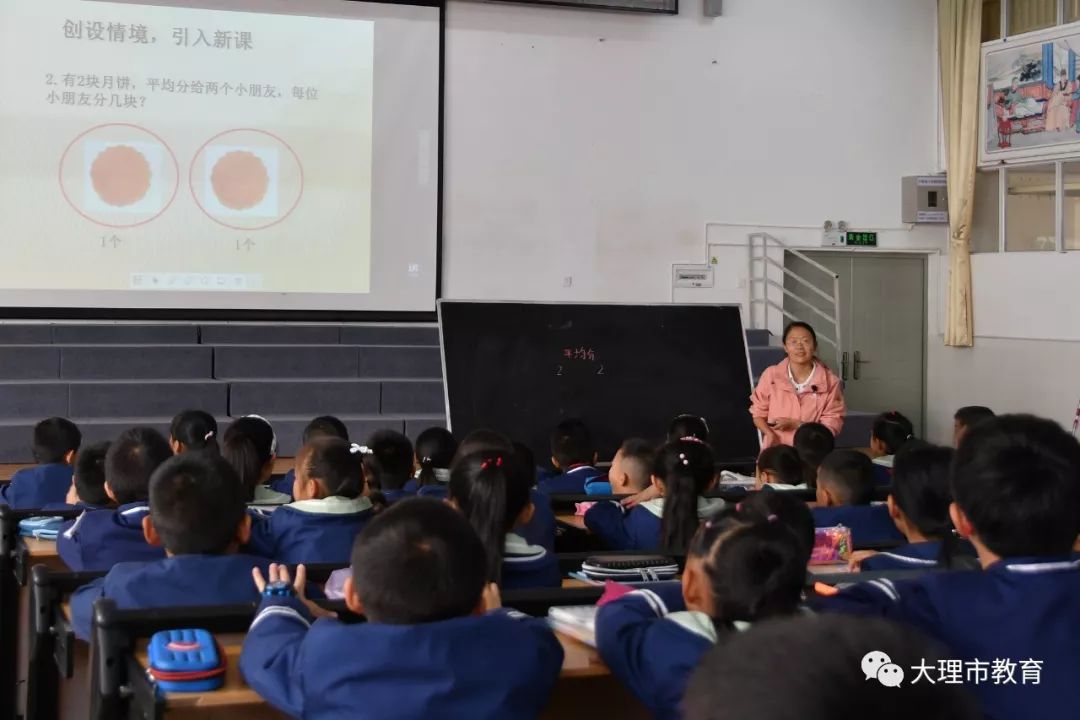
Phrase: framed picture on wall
(1030, 96)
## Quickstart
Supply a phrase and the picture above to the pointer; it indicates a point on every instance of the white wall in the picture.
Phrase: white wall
(600, 145)
(1027, 345)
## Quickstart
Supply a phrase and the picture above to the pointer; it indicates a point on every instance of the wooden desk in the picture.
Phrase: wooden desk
(585, 686)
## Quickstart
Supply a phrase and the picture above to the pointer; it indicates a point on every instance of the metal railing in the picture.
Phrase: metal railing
(759, 283)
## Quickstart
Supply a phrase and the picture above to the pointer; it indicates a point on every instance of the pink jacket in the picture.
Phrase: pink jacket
(822, 401)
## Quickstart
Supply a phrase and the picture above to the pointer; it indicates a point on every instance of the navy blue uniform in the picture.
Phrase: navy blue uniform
(311, 531)
(498, 665)
(283, 484)
(442, 476)
(868, 523)
(883, 470)
(180, 581)
(1017, 610)
(574, 481)
(98, 539)
(906, 557)
(35, 487)
(638, 528)
(652, 643)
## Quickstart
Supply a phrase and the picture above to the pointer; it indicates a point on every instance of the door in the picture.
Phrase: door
(882, 322)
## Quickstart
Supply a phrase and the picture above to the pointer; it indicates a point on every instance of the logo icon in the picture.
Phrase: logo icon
(878, 665)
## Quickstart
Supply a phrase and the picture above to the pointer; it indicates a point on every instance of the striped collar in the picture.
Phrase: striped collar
(884, 460)
(333, 505)
(1036, 565)
(705, 506)
(578, 468)
(518, 549)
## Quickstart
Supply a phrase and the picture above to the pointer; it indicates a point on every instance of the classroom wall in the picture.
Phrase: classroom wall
(1027, 344)
(600, 146)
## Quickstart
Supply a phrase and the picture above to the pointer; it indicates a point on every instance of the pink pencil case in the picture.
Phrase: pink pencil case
(831, 545)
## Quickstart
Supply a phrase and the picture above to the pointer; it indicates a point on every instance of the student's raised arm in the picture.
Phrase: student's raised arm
(633, 641)
(605, 520)
(270, 660)
(905, 601)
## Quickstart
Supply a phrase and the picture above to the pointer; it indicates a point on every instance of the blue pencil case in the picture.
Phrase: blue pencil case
(42, 528)
(186, 661)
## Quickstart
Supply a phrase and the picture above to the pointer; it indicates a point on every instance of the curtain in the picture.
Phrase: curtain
(959, 34)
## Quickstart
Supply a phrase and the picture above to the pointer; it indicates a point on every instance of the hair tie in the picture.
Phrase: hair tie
(682, 457)
(692, 439)
(425, 460)
(496, 461)
(738, 506)
(910, 436)
(208, 435)
(362, 449)
(772, 518)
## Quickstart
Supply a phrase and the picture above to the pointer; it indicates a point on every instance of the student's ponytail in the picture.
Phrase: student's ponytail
(435, 448)
(489, 492)
(195, 430)
(893, 430)
(248, 445)
(687, 469)
(755, 564)
(338, 466)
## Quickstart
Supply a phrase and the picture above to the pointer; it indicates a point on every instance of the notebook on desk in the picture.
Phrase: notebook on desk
(577, 621)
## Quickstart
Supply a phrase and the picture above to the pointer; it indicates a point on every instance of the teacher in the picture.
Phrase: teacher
(797, 390)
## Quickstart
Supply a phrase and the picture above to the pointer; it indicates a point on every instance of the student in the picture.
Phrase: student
(56, 440)
(890, 432)
(813, 441)
(802, 667)
(98, 539)
(540, 530)
(87, 491)
(250, 446)
(193, 430)
(683, 472)
(790, 511)
(966, 418)
(919, 506)
(329, 510)
(322, 426)
(686, 425)
(845, 488)
(494, 496)
(740, 569)
(389, 465)
(1016, 497)
(436, 642)
(780, 468)
(573, 453)
(197, 515)
(631, 470)
(434, 451)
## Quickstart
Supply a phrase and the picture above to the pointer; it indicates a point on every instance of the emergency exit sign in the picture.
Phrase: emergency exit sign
(861, 238)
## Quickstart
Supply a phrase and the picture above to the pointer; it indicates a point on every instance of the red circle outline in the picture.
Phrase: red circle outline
(195, 195)
(176, 166)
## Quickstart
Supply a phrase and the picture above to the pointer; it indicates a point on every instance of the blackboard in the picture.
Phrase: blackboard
(625, 370)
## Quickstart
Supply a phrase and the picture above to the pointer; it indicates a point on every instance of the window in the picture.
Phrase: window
(991, 20)
(986, 223)
(1030, 199)
(1028, 15)
(1071, 172)
(1072, 10)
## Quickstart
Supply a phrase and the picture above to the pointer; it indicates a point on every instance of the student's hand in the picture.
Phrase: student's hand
(492, 598)
(72, 495)
(856, 558)
(649, 493)
(786, 424)
(280, 573)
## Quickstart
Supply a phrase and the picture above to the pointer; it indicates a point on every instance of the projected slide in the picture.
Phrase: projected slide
(150, 148)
